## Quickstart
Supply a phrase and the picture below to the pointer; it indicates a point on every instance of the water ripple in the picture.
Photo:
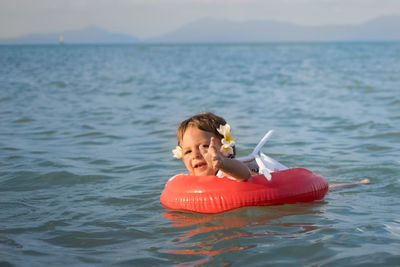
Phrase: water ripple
(87, 132)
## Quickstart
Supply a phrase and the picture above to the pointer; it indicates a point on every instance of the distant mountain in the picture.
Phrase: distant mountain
(83, 36)
(216, 30)
(211, 30)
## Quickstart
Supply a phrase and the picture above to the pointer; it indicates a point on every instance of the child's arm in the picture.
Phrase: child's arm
(230, 167)
(235, 169)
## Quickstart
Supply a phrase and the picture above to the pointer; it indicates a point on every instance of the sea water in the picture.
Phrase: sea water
(86, 133)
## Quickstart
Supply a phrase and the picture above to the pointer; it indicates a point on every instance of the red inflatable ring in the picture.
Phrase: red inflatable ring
(211, 194)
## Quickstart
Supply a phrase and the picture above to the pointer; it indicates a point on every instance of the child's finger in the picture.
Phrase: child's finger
(211, 142)
(209, 152)
(212, 147)
(203, 150)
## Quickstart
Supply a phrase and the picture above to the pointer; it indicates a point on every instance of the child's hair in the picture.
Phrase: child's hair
(205, 121)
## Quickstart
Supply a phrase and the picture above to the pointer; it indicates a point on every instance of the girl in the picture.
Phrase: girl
(207, 147)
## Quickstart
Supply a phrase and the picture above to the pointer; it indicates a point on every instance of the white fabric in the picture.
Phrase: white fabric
(259, 162)
(265, 164)
(219, 175)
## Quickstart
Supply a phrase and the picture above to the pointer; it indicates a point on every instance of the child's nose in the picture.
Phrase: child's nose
(197, 153)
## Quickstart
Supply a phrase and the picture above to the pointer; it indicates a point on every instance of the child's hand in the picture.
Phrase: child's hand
(217, 161)
(211, 155)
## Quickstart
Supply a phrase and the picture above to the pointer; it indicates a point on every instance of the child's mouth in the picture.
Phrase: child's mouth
(199, 165)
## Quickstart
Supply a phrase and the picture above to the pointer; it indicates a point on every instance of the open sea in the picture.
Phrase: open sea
(86, 133)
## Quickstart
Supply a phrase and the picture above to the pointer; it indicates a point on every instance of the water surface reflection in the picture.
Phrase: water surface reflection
(211, 235)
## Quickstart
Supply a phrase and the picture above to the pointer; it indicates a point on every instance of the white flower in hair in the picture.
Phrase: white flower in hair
(177, 152)
(227, 142)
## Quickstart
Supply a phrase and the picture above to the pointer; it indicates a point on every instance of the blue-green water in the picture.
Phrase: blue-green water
(86, 134)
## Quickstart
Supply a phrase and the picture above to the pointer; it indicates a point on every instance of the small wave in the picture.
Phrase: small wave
(129, 168)
(9, 148)
(59, 84)
(9, 242)
(48, 132)
(124, 94)
(26, 181)
(23, 120)
(101, 162)
(81, 239)
(5, 99)
(85, 126)
(377, 148)
(389, 135)
(393, 134)
(128, 81)
(359, 85)
(92, 143)
(119, 201)
(16, 209)
(77, 239)
(151, 122)
(88, 134)
(148, 106)
(368, 125)
(37, 226)
(161, 132)
(111, 225)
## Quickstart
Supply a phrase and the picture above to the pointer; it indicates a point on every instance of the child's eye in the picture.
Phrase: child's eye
(187, 152)
(205, 146)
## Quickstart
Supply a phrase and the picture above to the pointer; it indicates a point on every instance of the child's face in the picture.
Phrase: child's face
(192, 139)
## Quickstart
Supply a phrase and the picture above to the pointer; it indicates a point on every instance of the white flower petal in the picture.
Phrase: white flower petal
(224, 129)
(226, 148)
(177, 152)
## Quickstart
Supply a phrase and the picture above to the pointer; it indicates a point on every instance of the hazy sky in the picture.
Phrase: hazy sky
(146, 18)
